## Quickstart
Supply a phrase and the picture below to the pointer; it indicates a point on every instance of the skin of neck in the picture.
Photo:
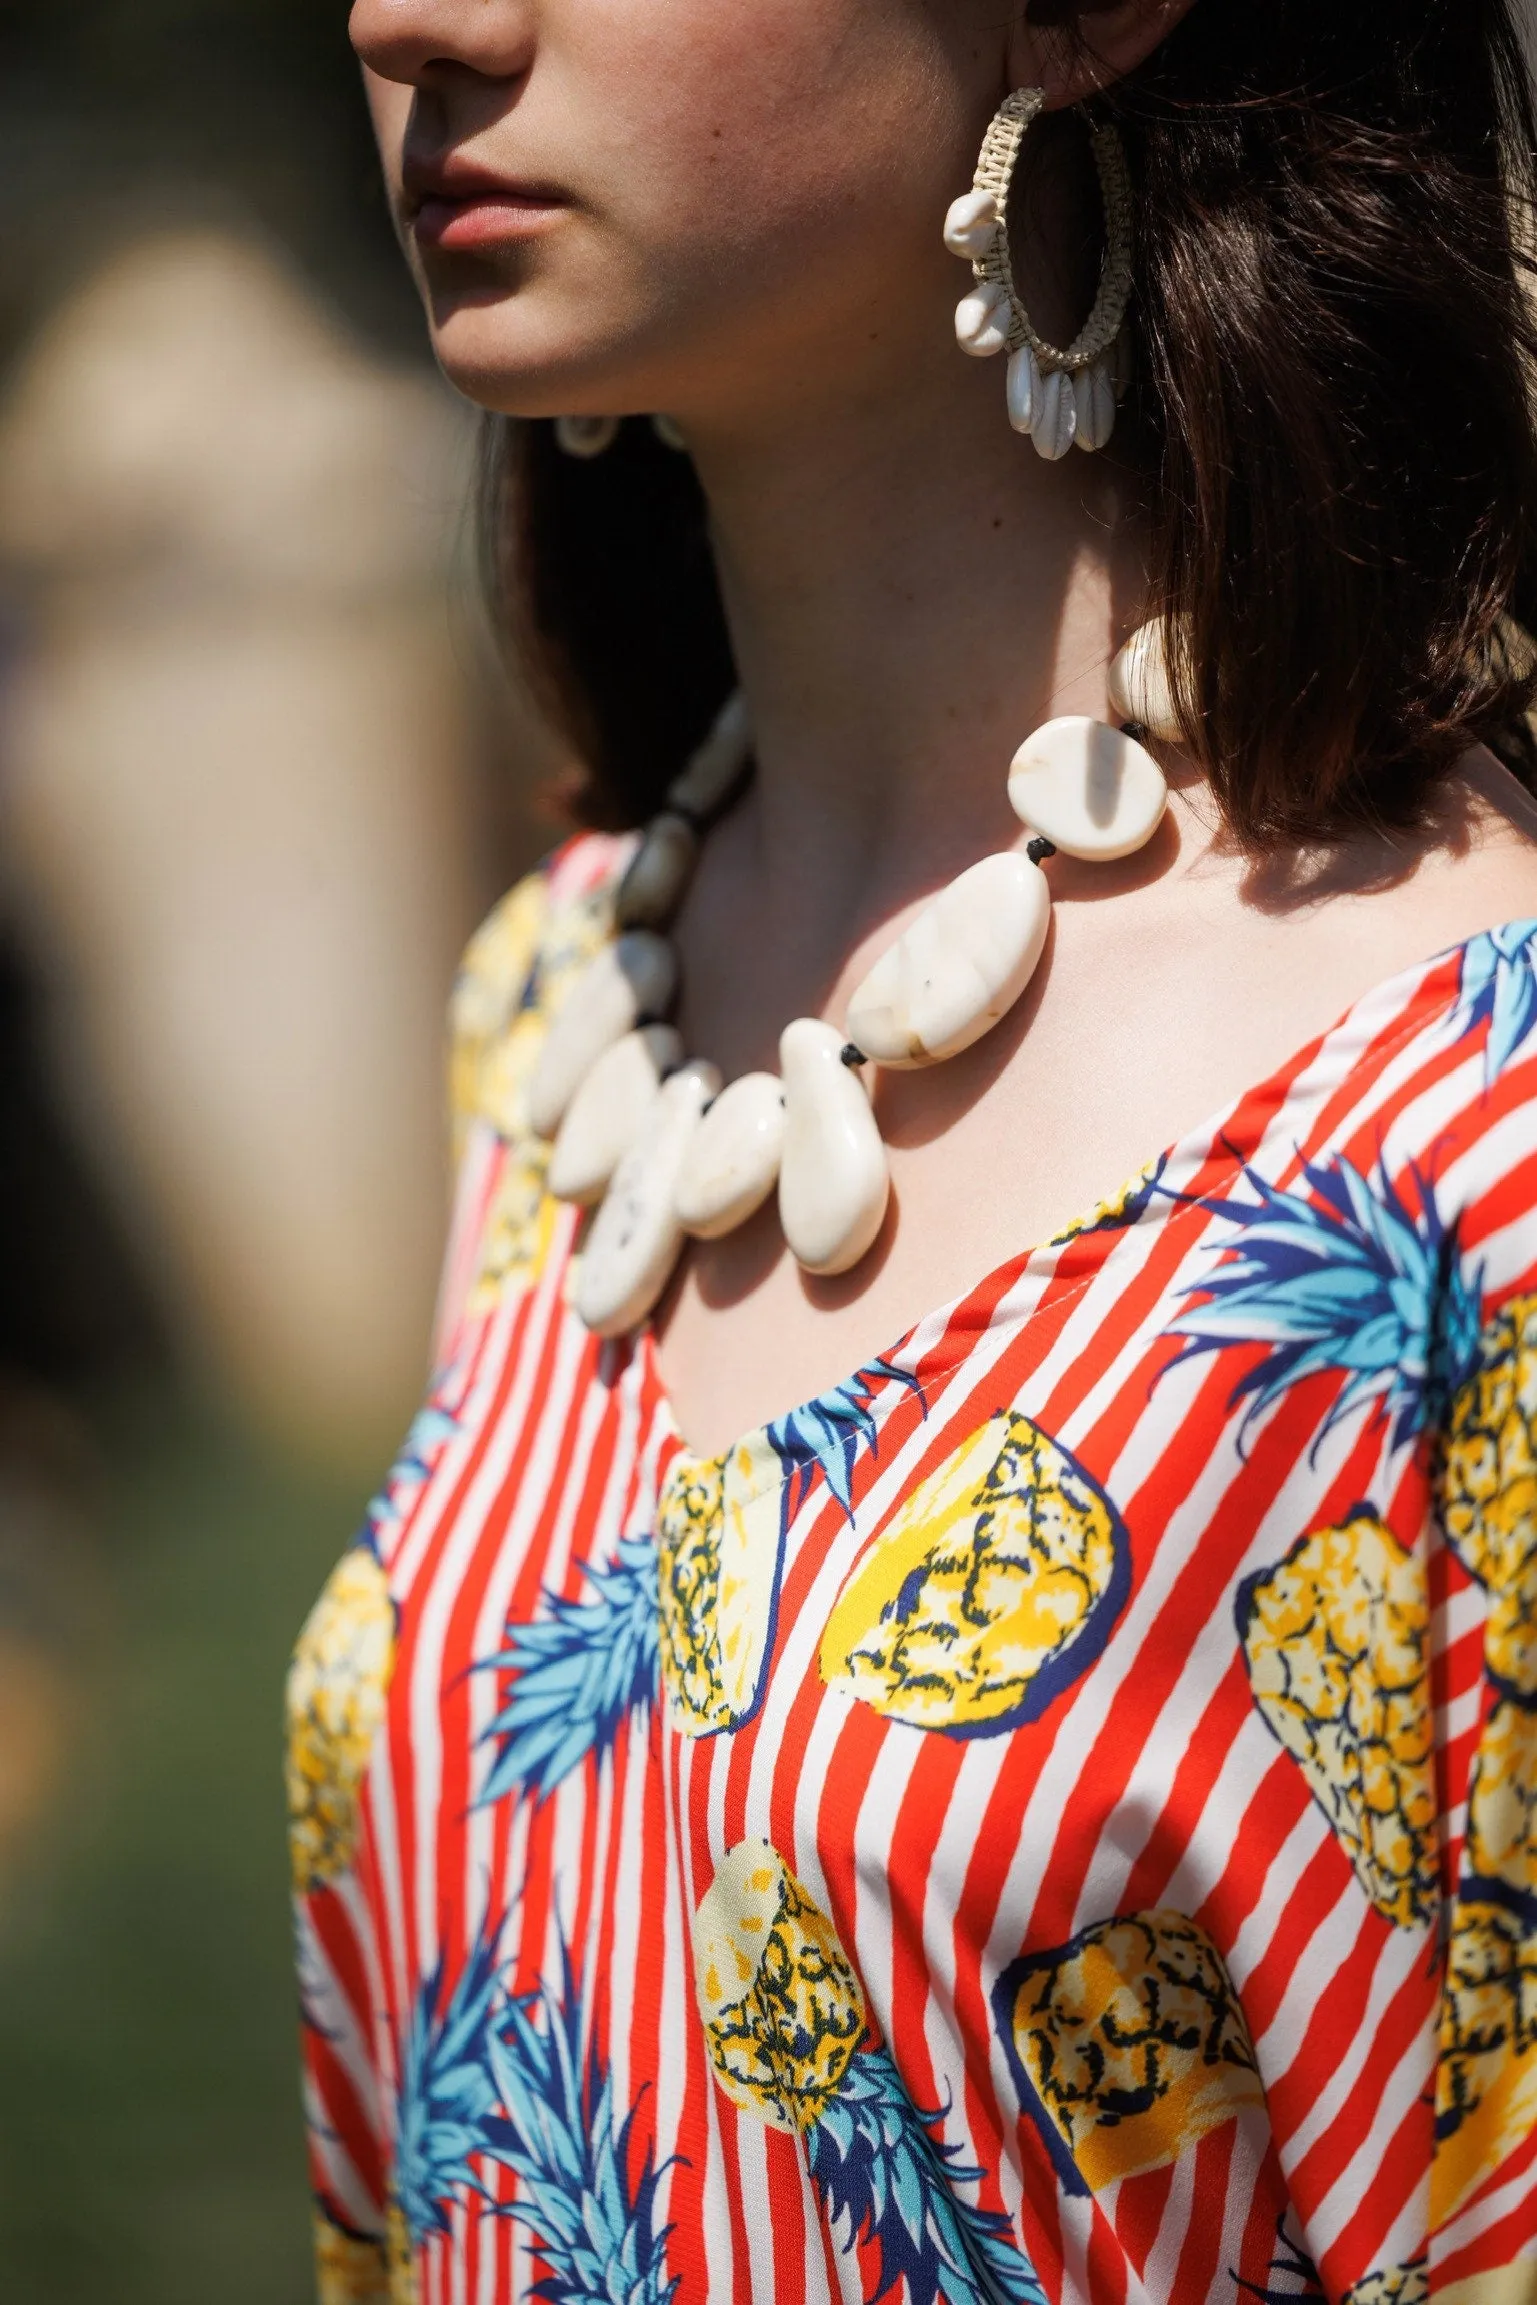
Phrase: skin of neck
(910, 590)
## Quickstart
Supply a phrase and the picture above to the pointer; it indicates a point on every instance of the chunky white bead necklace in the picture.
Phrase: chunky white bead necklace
(668, 1152)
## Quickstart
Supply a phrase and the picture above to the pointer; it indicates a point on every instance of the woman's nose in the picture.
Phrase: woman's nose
(408, 40)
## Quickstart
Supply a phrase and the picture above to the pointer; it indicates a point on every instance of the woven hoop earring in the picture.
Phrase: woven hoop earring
(1056, 393)
(586, 436)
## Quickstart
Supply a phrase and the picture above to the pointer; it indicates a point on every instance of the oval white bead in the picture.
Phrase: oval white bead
(982, 320)
(609, 1110)
(833, 1177)
(733, 1158)
(957, 968)
(1022, 389)
(635, 1238)
(586, 436)
(1055, 417)
(670, 432)
(703, 788)
(1139, 688)
(635, 976)
(1093, 405)
(970, 224)
(657, 876)
(1093, 792)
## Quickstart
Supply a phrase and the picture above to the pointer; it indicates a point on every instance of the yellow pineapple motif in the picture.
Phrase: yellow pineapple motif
(1502, 1808)
(1336, 1639)
(1487, 1489)
(337, 1686)
(783, 2011)
(516, 972)
(405, 2288)
(1120, 1208)
(1391, 2285)
(492, 974)
(719, 1536)
(1128, 2045)
(1486, 2078)
(349, 2268)
(992, 1590)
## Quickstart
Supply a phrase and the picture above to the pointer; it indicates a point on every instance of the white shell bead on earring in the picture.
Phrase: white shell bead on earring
(982, 319)
(1139, 687)
(669, 432)
(609, 1111)
(635, 1238)
(634, 977)
(657, 876)
(1055, 416)
(1022, 389)
(586, 435)
(833, 1178)
(733, 1158)
(1093, 405)
(957, 968)
(971, 224)
(1093, 792)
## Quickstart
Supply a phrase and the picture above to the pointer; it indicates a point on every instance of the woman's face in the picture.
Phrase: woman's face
(703, 206)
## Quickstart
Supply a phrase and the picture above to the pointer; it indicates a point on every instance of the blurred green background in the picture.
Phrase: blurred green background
(257, 781)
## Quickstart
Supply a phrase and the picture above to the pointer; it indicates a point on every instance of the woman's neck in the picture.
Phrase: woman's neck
(911, 590)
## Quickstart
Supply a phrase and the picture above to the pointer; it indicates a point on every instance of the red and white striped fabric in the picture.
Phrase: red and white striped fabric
(1053, 1818)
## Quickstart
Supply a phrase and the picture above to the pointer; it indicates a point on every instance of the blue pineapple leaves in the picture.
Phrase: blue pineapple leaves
(826, 1434)
(559, 2137)
(581, 1670)
(875, 2162)
(446, 2090)
(1353, 1280)
(1498, 987)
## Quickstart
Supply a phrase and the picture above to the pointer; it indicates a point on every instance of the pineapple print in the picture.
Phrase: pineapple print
(579, 1672)
(350, 2268)
(1128, 2046)
(992, 1590)
(720, 1537)
(1122, 1209)
(789, 2037)
(1336, 1639)
(337, 1686)
(489, 2078)
(1486, 2077)
(1392, 2285)
(515, 975)
(1497, 987)
(1487, 1489)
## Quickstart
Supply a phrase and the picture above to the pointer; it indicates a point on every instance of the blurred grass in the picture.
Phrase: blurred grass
(150, 2132)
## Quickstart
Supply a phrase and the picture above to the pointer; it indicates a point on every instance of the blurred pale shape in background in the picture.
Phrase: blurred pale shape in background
(237, 810)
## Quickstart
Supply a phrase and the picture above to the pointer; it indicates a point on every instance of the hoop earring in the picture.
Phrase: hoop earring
(1056, 394)
(586, 436)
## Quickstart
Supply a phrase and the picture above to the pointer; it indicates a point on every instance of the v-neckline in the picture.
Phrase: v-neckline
(1204, 1134)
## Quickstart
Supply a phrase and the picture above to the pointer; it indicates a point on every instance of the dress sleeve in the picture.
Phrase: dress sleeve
(1483, 1569)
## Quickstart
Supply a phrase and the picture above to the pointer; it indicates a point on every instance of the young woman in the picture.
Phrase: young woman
(1051, 1815)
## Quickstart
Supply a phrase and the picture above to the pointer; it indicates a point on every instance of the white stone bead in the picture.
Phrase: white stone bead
(1093, 792)
(1023, 388)
(670, 433)
(733, 1160)
(586, 436)
(629, 1253)
(1056, 416)
(1139, 689)
(705, 785)
(982, 319)
(609, 1110)
(657, 876)
(957, 968)
(635, 976)
(1093, 405)
(970, 224)
(833, 1177)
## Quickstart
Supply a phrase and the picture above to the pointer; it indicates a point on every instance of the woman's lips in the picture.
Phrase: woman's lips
(485, 217)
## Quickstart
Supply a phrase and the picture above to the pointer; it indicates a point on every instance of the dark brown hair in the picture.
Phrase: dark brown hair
(1331, 434)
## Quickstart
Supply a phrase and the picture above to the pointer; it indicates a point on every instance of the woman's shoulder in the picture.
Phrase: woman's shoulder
(515, 969)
